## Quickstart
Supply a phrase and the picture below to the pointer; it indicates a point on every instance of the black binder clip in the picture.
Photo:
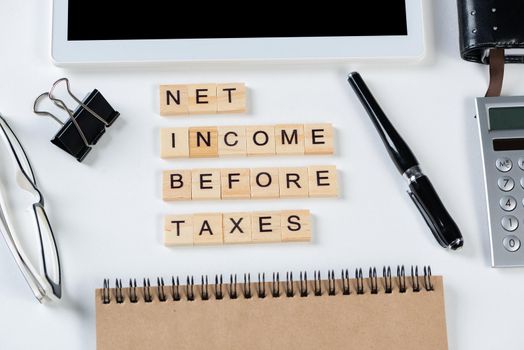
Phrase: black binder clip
(85, 125)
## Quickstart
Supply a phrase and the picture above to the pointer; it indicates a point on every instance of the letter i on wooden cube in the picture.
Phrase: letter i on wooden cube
(178, 230)
(296, 226)
(231, 98)
(202, 98)
(266, 227)
(207, 229)
(293, 182)
(289, 139)
(203, 142)
(205, 184)
(173, 100)
(318, 139)
(323, 181)
(237, 228)
(235, 184)
(174, 143)
(176, 185)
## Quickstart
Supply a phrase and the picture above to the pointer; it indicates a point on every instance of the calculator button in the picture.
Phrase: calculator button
(504, 164)
(508, 203)
(510, 223)
(506, 183)
(521, 163)
(511, 243)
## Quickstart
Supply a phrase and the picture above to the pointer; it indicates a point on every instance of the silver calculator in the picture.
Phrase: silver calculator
(501, 127)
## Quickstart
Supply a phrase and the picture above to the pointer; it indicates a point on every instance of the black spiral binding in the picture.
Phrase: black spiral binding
(218, 290)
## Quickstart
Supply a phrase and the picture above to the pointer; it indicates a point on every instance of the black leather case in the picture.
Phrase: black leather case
(487, 24)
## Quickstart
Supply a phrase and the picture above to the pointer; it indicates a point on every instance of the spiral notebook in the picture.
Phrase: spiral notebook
(402, 311)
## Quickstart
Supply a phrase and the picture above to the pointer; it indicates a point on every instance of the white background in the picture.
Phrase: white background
(107, 212)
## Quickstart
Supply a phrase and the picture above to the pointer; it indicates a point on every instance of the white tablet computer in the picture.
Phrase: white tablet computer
(98, 31)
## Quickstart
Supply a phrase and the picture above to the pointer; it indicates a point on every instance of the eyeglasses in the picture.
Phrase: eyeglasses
(45, 282)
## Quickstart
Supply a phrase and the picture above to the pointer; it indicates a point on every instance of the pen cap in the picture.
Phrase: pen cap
(398, 149)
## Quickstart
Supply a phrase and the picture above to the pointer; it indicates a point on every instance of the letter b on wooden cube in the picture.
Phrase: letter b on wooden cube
(176, 185)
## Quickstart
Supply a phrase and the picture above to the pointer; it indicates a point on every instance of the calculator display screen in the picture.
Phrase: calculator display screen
(160, 19)
(506, 118)
(515, 144)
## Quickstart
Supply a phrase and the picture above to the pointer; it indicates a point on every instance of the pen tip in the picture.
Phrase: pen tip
(457, 244)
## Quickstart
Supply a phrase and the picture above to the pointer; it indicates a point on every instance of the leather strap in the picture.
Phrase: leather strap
(489, 24)
(496, 72)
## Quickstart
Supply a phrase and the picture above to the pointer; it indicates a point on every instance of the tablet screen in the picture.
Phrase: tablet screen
(157, 19)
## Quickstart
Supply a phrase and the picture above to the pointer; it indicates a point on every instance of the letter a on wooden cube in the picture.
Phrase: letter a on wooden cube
(207, 229)
(296, 226)
(237, 227)
(289, 139)
(176, 185)
(205, 184)
(235, 183)
(231, 98)
(178, 230)
(293, 182)
(203, 142)
(173, 100)
(266, 227)
(318, 139)
(323, 181)
(202, 98)
(174, 143)
(264, 183)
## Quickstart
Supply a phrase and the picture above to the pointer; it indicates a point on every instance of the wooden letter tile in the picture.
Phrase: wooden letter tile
(231, 98)
(173, 100)
(296, 226)
(264, 183)
(174, 143)
(237, 227)
(260, 140)
(318, 139)
(178, 230)
(231, 141)
(235, 183)
(293, 182)
(176, 185)
(207, 229)
(203, 142)
(323, 181)
(202, 98)
(289, 139)
(265, 227)
(205, 184)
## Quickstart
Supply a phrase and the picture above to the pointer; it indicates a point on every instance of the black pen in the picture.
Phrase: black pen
(420, 190)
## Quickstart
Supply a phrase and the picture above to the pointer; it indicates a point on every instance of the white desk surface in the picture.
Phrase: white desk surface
(107, 211)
